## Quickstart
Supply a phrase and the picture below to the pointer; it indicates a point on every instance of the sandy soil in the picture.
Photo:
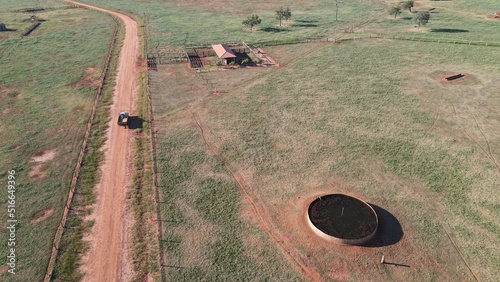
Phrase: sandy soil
(107, 259)
(38, 170)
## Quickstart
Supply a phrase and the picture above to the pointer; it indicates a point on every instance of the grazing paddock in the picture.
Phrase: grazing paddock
(47, 84)
(365, 118)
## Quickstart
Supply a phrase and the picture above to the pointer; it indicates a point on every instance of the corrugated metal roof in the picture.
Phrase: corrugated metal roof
(223, 51)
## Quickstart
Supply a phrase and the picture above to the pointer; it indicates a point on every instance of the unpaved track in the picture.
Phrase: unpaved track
(107, 259)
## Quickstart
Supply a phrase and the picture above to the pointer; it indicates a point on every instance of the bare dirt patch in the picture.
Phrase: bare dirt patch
(41, 215)
(4, 269)
(10, 92)
(44, 156)
(88, 79)
(7, 110)
(75, 20)
(38, 169)
(494, 16)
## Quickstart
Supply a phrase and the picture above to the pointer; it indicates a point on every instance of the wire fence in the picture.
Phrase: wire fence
(153, 145)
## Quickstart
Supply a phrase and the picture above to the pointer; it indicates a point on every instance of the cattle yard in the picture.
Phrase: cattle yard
(203, 57)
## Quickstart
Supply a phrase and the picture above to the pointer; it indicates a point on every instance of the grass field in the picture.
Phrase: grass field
(191, 23)
(47, 82)
(187, 22)
(372, 118)
(363, 118)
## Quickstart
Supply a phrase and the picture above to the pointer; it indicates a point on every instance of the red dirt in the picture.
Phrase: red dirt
(37, 172)
(107, 259)
(4, 269)
(44, 156)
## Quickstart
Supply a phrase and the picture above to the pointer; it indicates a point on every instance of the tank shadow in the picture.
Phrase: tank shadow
(389, 230)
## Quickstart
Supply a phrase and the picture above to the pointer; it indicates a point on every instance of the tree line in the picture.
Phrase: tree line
(281, 14)
(420, 18)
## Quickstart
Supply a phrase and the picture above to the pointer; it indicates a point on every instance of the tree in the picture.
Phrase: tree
(396, 10)
(408, 5)
(283, 14)
(252, 21)
(287, 14)
(421, 18)
(279, 15)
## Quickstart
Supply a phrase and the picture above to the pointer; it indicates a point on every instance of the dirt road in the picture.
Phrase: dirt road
(107, 259)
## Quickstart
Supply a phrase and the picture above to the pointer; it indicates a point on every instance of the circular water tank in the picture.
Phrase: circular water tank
(342, 219)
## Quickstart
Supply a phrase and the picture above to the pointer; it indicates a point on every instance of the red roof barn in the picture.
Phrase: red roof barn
(224, 53)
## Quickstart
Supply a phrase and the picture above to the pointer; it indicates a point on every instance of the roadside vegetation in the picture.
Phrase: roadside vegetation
(145, 245)
(47, 84)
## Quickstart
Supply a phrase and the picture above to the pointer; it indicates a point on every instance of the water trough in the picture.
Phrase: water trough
(342, 219)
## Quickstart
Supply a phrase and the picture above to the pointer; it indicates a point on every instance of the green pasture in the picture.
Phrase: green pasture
(43, 110)
(374, 115)
(189, 23)
(448, 20)
(371, 114)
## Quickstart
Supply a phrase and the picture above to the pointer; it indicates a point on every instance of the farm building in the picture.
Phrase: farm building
(224, 53)
(2, 27)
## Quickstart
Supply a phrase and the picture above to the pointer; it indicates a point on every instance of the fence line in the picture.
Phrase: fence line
(276, 42)
(60, 229)
(444, 40)
(157, 200)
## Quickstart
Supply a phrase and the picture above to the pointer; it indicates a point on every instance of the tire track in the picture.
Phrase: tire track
(487, 152)
(107, 257)
(261, 212)
(491, 156)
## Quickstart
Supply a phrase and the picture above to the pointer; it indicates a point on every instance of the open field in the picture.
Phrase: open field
(179, 22)
(370, 118)
(188, 22)
(47, 83)
(373, 118)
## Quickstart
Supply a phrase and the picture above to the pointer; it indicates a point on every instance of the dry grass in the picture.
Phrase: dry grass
(362, 118)
(41, 112)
